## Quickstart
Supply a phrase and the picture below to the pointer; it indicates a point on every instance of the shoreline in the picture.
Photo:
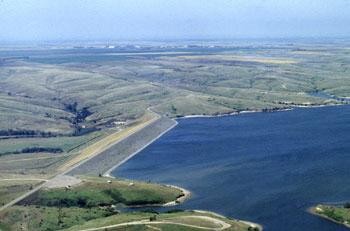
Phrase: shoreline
(231, 113)
(108, 172)
(251, 224)
(184, 191)
(257, 111)
(314, 213)
(186, 194)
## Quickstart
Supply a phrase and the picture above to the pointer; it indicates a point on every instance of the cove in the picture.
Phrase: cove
(262, 167)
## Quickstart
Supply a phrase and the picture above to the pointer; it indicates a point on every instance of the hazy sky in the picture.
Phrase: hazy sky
(168, 19)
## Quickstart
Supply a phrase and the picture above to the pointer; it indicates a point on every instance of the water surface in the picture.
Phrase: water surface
(263, 167)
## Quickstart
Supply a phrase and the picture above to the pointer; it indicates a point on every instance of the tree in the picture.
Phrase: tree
(153, 218)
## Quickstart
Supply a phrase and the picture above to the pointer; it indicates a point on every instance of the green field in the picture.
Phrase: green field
(57, 208)
(67, 144)
(44, 163)
(96, 191)
(53, 218)
(11, 189)
(182, 220)
(93, 202)
(47, 218)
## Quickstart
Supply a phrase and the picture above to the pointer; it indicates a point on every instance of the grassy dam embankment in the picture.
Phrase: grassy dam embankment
(124, 149)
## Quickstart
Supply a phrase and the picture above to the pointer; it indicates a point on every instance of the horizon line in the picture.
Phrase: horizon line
(116, 40)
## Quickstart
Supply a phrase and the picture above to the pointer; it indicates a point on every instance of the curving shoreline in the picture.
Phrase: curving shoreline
(108, 172)
(313, 210)
(186, 195)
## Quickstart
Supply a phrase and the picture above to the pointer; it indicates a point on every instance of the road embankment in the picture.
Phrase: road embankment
(123, 150)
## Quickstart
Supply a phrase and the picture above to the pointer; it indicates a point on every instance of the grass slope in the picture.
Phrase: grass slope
(47, 218)
(182, 220)
(101, 191)
(59, 208)
(11, 189)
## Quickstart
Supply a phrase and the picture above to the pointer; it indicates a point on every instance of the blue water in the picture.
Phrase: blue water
(97, 55)
(263, 167)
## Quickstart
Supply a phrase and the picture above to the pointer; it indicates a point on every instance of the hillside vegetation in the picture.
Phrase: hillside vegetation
(339, 214)
(101, 191)
(94, 197)
(77, 97)
(80, 94)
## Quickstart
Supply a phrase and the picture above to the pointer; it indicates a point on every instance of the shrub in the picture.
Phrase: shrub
(115, 195)
(153, 218)
(347, 205)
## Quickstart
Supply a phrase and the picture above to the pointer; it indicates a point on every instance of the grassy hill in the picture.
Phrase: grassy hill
(64, 100)
(72, 97)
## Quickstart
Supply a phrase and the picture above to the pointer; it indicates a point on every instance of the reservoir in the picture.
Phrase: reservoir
(262, 167)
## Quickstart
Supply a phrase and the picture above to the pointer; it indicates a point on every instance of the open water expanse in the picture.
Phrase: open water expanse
(262, 167)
